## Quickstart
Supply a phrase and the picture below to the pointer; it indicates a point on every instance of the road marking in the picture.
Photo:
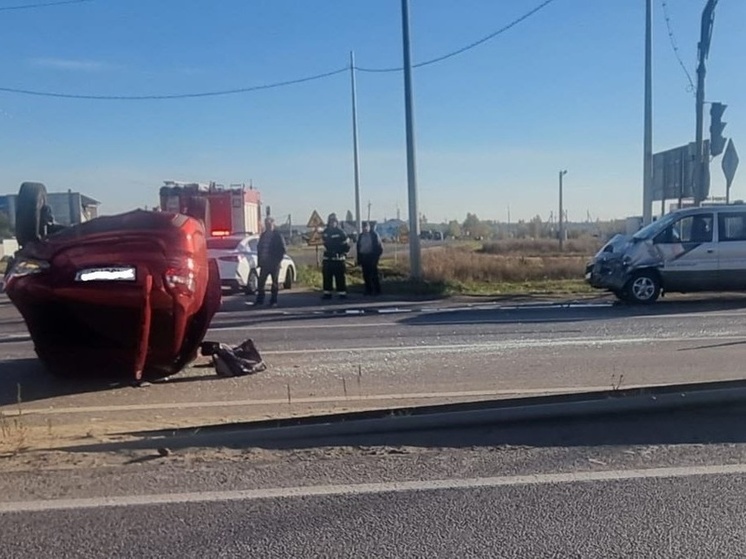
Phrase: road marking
(369, 488)
(504, 345)
(12, 411)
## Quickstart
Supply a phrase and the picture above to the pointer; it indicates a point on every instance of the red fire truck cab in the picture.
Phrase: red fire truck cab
(232, 210)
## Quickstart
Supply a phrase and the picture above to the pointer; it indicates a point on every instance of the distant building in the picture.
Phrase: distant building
(68, 207)
(389, 229)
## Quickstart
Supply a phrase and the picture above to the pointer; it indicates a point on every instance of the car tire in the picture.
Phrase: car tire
(32, 197)
(252, 284)
(643, 288)
(289, 278)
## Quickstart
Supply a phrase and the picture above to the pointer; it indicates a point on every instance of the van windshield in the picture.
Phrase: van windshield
(650, 231)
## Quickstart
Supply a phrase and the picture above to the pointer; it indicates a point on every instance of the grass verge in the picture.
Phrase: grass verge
(454, 278)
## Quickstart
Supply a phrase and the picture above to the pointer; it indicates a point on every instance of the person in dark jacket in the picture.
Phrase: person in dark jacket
(369, 250)
(270, 252)
(336, 247)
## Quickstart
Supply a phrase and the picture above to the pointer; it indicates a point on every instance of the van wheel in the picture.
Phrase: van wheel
(644, 288)
(32, 197)
(289, 277)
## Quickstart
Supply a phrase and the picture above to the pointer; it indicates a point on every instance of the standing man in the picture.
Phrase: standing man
(336, 247)
(369, 250)
(270, 252)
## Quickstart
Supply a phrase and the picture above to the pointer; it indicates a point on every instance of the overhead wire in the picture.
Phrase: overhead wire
(42, 5)
(59, 95)
(468, 47)
(174, 95)
(675, 45)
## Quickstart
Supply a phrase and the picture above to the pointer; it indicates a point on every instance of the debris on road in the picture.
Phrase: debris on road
(243, 359)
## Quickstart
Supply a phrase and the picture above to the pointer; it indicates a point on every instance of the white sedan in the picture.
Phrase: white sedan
(237, 260)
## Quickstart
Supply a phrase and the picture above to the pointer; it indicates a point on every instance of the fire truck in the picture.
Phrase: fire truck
(232, 210)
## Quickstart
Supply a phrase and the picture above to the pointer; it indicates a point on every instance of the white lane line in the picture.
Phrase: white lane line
(506, 345)
(369, 488)
(12, 411)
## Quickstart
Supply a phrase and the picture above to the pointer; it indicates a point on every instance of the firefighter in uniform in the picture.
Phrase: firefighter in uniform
(336, 247)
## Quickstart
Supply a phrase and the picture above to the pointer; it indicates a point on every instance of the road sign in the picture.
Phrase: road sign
(315, 221)
(315, 239)
(730, 163)
(674, 172)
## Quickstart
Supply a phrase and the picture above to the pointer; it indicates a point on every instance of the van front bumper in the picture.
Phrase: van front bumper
(610, 275)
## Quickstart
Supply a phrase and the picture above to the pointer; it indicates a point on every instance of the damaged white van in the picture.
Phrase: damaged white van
(694, 249)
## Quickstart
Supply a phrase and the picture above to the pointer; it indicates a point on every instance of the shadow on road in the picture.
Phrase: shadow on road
(713, 425)
(702, 413)
(570, 312)
(498, 310)
(26, 380)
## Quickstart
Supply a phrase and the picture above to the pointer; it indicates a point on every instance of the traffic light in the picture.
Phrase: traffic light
(717, 141)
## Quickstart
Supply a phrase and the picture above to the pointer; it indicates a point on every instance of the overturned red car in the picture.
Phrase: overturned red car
(130, 294)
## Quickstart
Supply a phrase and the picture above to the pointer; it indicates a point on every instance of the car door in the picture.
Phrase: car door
(732, 249)
(689, 253)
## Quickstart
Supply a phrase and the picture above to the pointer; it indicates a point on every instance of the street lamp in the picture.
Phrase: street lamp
(561, 213)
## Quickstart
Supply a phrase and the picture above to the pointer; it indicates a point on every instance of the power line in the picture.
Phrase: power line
(468, 47)
(175, 95)
(675, 46)
(42, 5)
(236, 91)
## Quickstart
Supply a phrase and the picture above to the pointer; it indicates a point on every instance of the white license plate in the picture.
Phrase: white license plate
(587, 275)
(117, 273)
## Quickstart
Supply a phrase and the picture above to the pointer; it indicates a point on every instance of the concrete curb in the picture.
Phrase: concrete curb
(643, 400)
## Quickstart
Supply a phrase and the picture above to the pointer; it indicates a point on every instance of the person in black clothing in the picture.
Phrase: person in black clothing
(369, 250)
(270, 252)
(336, 247)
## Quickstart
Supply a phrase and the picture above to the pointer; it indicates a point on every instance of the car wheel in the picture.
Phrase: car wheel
(252, 285)
(644, 288)
(289, 278)
(32, 197)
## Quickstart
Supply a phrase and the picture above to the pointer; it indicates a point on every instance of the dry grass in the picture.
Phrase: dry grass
(462, 269)
(449, 264)
(585, 246)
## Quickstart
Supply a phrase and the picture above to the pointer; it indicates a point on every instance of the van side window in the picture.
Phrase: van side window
(692, 229)
(732, 226)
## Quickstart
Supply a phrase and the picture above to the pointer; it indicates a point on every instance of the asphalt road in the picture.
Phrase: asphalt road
(660, 485)
(361, 354)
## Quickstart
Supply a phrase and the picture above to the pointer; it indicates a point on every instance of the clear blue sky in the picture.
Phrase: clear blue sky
(494, 125)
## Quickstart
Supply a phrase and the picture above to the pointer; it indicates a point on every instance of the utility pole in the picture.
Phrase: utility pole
(561, 213)
(369, 204)
(702, 159)
(355, 151)
(415, 263)
(647, 167)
